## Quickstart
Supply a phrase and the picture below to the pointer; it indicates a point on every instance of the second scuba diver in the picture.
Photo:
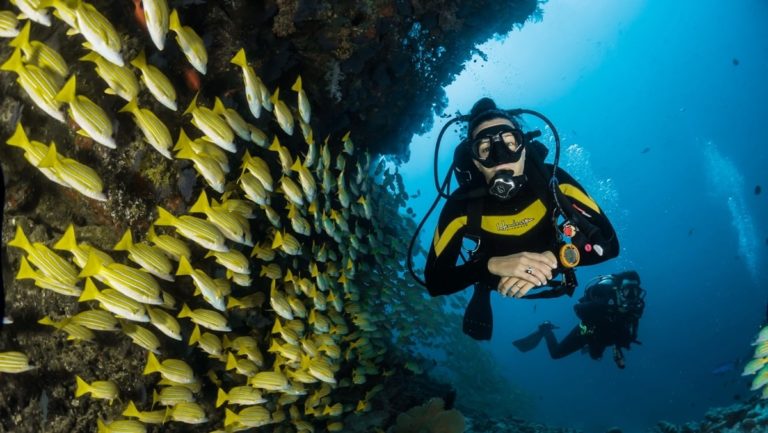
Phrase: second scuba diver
(610, 312)
(517, 213)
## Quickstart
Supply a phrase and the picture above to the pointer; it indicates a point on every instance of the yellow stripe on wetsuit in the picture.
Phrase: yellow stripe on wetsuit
(574, 192)
(507, 225)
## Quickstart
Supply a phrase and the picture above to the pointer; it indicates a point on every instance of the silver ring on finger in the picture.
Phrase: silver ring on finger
(529, 270)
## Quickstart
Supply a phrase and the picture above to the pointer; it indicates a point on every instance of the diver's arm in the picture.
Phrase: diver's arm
(594, 226)
(442, 273)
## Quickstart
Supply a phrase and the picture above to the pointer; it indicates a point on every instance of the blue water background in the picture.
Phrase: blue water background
(668, 133)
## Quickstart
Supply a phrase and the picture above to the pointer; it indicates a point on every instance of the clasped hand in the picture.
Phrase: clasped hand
(521, 272)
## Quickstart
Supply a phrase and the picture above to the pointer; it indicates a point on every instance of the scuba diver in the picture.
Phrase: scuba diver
(521, 221)
(610, 312)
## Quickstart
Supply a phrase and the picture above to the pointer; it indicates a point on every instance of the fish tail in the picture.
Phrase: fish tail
(201, 205)
(13, 64)
(131, 410)
(153, 365)
(92, 266)
(192, 105)
(131, 107)
(140, 61)
(233, 303)
(90, 57)
(26, 272)
(19, 138)
(22, 39)
(20, 240)
(185, 311)
(275, 144)
(101, 427)
(297, 85)
(68, 241)
(174, 23)
(82, 387)
(221, 397)
(50, 159)
(274, 98)
(67, 93)
(231, 362)
(230, 418)
(278, 241)
(164, 218)
(195, 337)
(218, 107)
(126, 242)
(185, 268)
(240, 59)
(90, 292)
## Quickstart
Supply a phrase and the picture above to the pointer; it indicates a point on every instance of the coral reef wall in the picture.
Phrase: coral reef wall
(375, 68)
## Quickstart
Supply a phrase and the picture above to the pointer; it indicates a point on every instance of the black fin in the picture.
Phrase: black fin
(530, 342)
(478, 317)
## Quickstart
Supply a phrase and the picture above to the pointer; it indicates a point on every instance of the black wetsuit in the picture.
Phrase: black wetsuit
(602, 325)
(522, 224)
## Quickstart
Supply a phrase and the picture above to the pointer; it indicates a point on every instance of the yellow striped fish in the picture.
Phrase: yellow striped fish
(291, 191)
(120, 426)
(227, 223)
(98, 31)
(80, 252)
(286, 160)
(40, 54)
(260, 169)
(154, 130)
(157, 17)
(120, 80)
(150, 258)
(305, 110)
(213, 126)
(26, 272)
(233, 118)
(14, 362)
(205, 165)
(166, 323)
(240, 395)
(34, 152)
(188, 413)
(91, 118)
(209, 343)
(75, 175)
(9, 25)
(172, 395)
(97, 320)
(206, 318)
(158, 84)
(253, 84)
(101, 389)
(36, 10)
(244, 366)
(195, 229)
(47, 261)
(175, 370)
(254, 416)
(282, 113)
(39, 84)
(234, 261)
(142, 337)
(173, 247)
(131, 282)
(114, 302)
(147, 417)
(204, 284)
(190, 43)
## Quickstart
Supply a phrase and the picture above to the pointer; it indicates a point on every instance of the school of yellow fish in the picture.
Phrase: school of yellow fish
(758, 365)
(301, 272)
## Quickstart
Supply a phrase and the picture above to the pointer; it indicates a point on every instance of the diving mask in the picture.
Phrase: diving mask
(499, 144)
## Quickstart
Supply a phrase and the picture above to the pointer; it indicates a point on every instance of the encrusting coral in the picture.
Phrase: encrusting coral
(431, 417)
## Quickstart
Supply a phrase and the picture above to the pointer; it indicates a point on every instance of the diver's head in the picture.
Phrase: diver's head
(497, 148)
